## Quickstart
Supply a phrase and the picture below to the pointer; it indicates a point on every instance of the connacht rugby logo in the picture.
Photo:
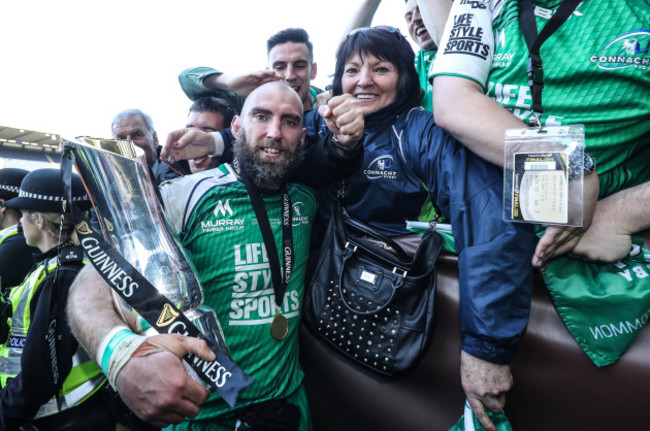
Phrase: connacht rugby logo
(629, 50)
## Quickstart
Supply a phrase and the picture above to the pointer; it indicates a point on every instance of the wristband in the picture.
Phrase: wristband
(115, 350)
(141, 325)
(218, 145)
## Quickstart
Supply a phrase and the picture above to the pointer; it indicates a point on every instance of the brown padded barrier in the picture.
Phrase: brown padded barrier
(557, 387)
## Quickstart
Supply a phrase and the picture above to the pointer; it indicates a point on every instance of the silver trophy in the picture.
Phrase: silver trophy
(130, 217)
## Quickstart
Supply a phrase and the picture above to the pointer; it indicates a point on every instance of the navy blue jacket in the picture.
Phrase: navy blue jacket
(495, 273)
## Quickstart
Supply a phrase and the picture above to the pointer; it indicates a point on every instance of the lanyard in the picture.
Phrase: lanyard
(279, 283)
(534, 42)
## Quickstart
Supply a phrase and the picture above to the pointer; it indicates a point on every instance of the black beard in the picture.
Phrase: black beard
(265, 174)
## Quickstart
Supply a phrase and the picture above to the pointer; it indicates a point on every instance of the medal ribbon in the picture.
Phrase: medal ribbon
(279, 283)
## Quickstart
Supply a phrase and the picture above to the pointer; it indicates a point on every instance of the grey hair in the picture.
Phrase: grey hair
(128, 113)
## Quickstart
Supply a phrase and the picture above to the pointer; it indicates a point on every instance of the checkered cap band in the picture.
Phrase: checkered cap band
(10, 188)
(24, 194)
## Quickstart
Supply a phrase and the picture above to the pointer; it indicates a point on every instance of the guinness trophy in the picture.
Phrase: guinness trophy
(129, 215)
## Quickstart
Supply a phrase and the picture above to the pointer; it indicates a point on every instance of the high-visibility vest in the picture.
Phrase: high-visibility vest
(85, 377)
(7, 232)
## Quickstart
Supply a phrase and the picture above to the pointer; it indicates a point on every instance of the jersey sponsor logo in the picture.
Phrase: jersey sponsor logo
(299, 216)
(503, 59)
(518, 99)
(466, 38)
(380, 167)
(500, 39)
(224, 220)
(222, 224)
(17, 341)
(253, 298)
(221, 209)
(545, 13)
(475, 4)
(628, 50)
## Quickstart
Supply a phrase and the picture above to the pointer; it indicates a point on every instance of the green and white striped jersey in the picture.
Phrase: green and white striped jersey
(596, 73)
(213, 215)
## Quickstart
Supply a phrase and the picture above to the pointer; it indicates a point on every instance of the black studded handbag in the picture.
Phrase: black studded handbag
(368, 299)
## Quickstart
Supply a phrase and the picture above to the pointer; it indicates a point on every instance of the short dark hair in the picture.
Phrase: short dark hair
(387, 45)
(297, 35)
(214, 104)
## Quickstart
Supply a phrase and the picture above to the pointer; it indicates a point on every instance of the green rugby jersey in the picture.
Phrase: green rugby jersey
(423, 60)
(213, 215)
(596, 73)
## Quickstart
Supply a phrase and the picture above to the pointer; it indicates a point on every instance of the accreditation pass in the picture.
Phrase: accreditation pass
(540, 187)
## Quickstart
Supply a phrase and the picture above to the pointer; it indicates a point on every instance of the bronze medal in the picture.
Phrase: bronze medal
(279, 327)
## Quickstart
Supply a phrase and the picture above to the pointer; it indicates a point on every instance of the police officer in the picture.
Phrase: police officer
(48, 381)
(15, 255)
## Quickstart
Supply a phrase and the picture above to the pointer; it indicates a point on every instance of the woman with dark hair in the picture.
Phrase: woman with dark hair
(410, 163)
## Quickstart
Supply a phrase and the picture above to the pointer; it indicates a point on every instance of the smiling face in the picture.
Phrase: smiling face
(269, 134)
(372, 81)
(293, 61)
(416, 27)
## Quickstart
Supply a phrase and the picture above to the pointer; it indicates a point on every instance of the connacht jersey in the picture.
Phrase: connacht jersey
(596, 72)
(214, 217)
(423, 60)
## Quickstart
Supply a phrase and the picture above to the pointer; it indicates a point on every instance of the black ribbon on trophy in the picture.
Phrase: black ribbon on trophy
(164, 314)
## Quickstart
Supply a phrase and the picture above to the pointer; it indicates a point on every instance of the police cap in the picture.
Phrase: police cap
(10, 179)
(42, 190)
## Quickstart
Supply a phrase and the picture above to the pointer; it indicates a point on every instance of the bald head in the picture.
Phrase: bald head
(269, 134)
(270, 93)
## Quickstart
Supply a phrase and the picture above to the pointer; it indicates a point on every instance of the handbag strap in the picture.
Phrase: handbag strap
(368, 231)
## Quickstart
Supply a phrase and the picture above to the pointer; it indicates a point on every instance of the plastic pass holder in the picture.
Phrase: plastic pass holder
(543, 178)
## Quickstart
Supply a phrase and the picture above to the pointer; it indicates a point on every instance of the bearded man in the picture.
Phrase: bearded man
(247, 231)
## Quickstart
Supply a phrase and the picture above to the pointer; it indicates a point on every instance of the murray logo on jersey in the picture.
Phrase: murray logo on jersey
(224, 219)
(628, 50)
(253, 298)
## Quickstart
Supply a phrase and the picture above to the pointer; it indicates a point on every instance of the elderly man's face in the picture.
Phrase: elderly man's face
(134, 129)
